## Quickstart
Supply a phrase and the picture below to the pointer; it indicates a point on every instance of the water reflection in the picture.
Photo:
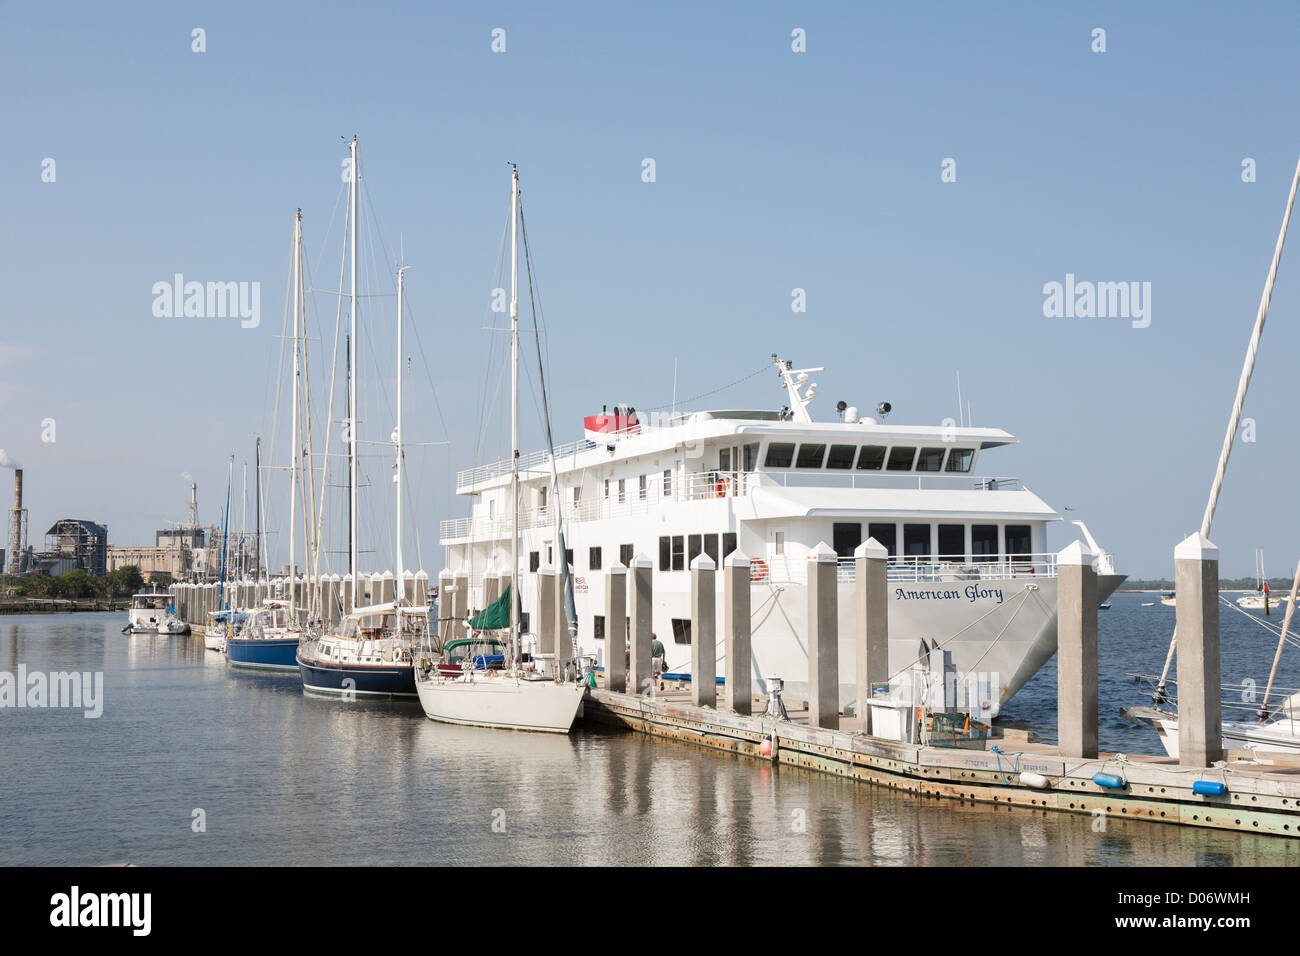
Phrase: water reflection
(288, 779)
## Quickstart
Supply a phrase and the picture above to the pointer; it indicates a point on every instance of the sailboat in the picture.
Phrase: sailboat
(513, 697)
(371, 653)
(268, 637)
(1262, 599)
(1273, 730)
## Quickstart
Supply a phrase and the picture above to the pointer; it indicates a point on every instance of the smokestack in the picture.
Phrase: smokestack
(16, 525)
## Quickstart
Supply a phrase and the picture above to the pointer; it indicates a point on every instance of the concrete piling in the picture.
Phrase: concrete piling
(640, 583)
(491, 585)
(738, 668)
(544, 616)
(1076, 651)
(386, 588)
(1200, 711)
(460, 603)
(823, 638)
(871, 604)
(704, 638)
(421, 598)
(564, 649)
(616, 628)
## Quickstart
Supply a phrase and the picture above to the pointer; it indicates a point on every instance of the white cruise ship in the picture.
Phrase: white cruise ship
(970, 568)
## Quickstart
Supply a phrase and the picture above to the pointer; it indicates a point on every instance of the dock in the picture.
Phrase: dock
(1263, 795)
(888, 742)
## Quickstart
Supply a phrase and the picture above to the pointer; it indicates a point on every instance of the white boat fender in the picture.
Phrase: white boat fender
(1036, 780)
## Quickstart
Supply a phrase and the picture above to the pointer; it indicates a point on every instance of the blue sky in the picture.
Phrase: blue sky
(774, 170)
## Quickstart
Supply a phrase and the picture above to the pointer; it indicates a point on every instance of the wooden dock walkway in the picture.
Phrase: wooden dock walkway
(1263, 795)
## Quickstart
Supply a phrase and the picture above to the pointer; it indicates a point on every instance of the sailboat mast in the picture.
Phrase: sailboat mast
(293, 429)
(397, 441)
(514, 414)
(243, 525)
(1243, 385)
(257, 517)
(353, 561)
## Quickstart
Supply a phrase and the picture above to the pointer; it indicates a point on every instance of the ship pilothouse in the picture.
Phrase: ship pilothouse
(970, 567)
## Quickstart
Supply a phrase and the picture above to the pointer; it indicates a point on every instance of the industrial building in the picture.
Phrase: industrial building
(75, 543)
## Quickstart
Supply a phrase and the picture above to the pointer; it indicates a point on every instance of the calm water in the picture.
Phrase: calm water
(287, 779)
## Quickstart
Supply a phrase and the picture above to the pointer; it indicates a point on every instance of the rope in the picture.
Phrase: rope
(695, 398)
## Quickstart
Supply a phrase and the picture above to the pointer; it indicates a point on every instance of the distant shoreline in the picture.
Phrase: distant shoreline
(57, 605)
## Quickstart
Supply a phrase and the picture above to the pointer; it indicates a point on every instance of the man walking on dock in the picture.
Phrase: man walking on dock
(657, 654)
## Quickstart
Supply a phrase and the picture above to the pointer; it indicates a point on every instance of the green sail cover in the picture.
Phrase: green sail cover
(495, 616)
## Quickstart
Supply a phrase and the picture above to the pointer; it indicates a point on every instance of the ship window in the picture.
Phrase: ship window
(711, 546)
(598, 627)
(541, 499)
(625, 555)
(622, 491)
(693, 547)
(810, 456)
(916, 540)
(593, 559)
(952, 541)
(679, 553)
(668, 483)
(665, 553)
(930, 459)
(984, 542)
(841, 457)
(724, 459)
(959, 459)
(900, 458)
(534, 561)
(568, 556)
(751, 456)
(780, 542)
(577, 495)
(728, 543)
(871, 458)
(523, 622)
(642, 489)
(886, 535)
(779, 454)
(606, 489)
(1019, 540)
(845, 537)
(681, 630)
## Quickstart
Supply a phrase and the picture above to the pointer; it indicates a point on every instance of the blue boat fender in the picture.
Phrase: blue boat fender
(1035, 780)
(1209, 788)
(1111, 781)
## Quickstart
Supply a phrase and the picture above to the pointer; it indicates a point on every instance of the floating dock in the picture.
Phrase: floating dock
(1262, 796)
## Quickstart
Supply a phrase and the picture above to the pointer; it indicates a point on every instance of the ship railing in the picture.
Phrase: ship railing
(956, 568)
(629, 502)
(883, 479)
(541, 460)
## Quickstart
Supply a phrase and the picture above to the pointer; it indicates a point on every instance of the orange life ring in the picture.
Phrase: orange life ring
(722, 486)
(757, 570)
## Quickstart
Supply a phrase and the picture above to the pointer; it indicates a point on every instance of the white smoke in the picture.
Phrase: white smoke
(6, 461)
(188, 477)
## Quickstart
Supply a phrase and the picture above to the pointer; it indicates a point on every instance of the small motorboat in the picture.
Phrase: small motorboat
(171, 624)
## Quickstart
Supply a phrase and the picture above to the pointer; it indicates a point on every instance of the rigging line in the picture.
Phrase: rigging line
(696, 398)
(329, 419)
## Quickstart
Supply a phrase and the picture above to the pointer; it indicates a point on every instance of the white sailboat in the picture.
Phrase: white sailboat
(1262, 599)
(1273, 730)
(514, 697)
